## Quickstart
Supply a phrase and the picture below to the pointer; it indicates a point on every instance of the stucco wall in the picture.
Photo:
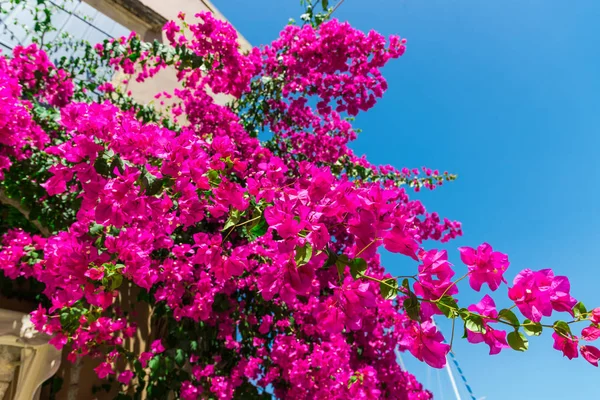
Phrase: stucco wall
(144, 17)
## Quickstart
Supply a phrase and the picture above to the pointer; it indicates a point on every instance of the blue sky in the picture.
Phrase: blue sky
(506, 94)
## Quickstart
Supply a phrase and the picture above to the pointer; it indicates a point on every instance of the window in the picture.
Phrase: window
(73, 17)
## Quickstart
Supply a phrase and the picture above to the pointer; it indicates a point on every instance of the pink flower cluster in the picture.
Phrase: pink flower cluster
(18, 132)
(271, 247)
(36, 73)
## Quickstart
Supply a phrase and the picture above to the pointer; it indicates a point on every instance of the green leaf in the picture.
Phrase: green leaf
(389, 288)
(115, 281)
(117, 163)
(562, 328)
(579, 310)
(352, 380)
(259, 229)
(101, 166)
(151, 184)
(517, 341)
(448, 306)
(406, 284)
(474, 323)
(303, 254)
(96, 229)
(64, 318)
(532, 328)
(180, 357)
(509, 316)
(234, 218)
(358, 267)
(412, 307)
(214, 177)
(341, 263)
(154, 364)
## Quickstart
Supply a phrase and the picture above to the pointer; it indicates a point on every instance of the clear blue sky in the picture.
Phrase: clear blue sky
(507, 95)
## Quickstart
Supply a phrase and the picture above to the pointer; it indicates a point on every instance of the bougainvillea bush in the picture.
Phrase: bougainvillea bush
(251, 230)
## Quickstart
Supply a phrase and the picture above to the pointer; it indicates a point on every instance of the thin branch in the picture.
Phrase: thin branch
(336, 7)
(4, 199)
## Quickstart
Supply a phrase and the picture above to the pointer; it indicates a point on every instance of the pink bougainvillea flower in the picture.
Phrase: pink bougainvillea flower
(145, 357)
(591, 354)
(425, 342)
(157, 347)
(125, 377)
(537, 293)
(595, 316)
(485, 266)
(435, 262)
(399, 240)
(103, 370)
(495, 339)
(435, 276)
(189, 391)
(568, 345)
(590, 333)
(560, 298)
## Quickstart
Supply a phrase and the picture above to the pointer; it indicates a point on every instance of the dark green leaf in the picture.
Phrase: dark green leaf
(358, 267)
(341, 263)
(118, 164)
(509, 316)
(101, 166)
(151, 184)
(412, 307)
(517, 341)
(180, 357)
(154, 364)
(562, 328)
(406, 284)
(259, 229)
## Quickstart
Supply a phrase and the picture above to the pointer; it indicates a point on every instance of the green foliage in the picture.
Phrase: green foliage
(562, 328)
(475, 323)
(258, 229)
(358, 267)
(448, 306)
(389, 288)
(303, 254)
(509, 316)
(517, 341)
(579, 310)
(532, 328)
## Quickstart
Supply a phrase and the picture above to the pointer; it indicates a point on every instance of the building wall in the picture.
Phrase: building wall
(142, 16)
